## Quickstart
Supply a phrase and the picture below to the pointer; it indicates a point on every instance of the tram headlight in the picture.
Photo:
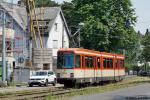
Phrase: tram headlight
(71, 75)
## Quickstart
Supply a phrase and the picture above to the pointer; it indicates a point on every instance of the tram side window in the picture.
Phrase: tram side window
(109, 63)
(82, 61)
(122, 63)
(98, 62)
(104, 62)
(91, 62)
(86, 61)
(116, 64)
(77, 64)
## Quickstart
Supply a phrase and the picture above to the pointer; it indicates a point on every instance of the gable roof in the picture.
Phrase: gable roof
(18, 13)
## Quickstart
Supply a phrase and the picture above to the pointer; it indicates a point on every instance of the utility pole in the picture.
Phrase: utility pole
(79, 37)
(80, 26)
(4, 49)
(79, 33)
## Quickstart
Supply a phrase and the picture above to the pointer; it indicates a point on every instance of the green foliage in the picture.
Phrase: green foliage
(2, 84)
(146, 49)
(108, 25)
(45, 3)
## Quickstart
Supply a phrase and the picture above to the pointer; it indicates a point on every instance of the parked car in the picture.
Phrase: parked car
(42, 77)
(144, 73)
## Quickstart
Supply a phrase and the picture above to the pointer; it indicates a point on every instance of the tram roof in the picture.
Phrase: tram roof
(82, 50)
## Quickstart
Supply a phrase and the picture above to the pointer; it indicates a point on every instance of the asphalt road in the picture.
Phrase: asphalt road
(140, 92)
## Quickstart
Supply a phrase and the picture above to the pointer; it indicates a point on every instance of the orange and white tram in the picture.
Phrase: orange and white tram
(79, 66)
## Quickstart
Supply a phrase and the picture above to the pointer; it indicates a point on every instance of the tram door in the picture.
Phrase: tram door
(98, 70)
(95, 69)
(114, 67)
(83, 67)
(118, 63)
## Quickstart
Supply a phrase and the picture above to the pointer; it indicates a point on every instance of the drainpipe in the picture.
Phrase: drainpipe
(4, 49)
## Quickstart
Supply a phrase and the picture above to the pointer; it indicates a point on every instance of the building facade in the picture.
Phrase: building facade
(52, 25)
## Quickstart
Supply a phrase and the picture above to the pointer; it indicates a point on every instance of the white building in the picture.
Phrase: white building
(56, 33)
(54, 30)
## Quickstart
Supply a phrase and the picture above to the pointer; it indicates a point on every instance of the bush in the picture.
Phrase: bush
(2, 84)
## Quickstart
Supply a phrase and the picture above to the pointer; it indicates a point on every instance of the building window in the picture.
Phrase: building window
(47, 22)
(56, 26)
(55, 44)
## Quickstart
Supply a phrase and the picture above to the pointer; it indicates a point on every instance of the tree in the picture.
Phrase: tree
(145, 54)
(147, 32)
(146, 47)
(45, 3)
(108, 25)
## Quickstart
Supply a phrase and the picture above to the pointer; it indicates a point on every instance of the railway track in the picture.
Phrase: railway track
(40, 95)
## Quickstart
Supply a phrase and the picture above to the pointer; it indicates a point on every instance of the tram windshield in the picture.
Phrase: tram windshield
(65, 60)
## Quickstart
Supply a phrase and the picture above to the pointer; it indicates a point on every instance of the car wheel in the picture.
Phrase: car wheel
(46, 83)
(30, 85)
(54, 83)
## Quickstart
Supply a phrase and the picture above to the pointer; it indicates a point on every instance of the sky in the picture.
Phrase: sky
(143, 15)
(141, 9)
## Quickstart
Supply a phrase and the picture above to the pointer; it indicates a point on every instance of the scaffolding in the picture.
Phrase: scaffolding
(41, 57)
(15, 44)
(30, 8)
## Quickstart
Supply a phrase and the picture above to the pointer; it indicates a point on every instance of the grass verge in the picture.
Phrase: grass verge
(128, 82)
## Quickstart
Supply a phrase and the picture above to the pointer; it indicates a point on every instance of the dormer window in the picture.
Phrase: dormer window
(56, 26)
(55, 44)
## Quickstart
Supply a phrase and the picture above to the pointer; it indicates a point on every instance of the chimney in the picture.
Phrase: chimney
(21, 3)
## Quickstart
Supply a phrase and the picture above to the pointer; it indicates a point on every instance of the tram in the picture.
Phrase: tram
(83, 66)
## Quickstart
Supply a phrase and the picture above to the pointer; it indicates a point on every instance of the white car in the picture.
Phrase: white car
(43, 77)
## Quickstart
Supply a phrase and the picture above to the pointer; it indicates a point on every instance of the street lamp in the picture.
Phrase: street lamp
(81, 24)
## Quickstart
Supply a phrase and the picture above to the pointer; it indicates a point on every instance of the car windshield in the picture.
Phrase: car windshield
(65, 60)
(40, 74)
